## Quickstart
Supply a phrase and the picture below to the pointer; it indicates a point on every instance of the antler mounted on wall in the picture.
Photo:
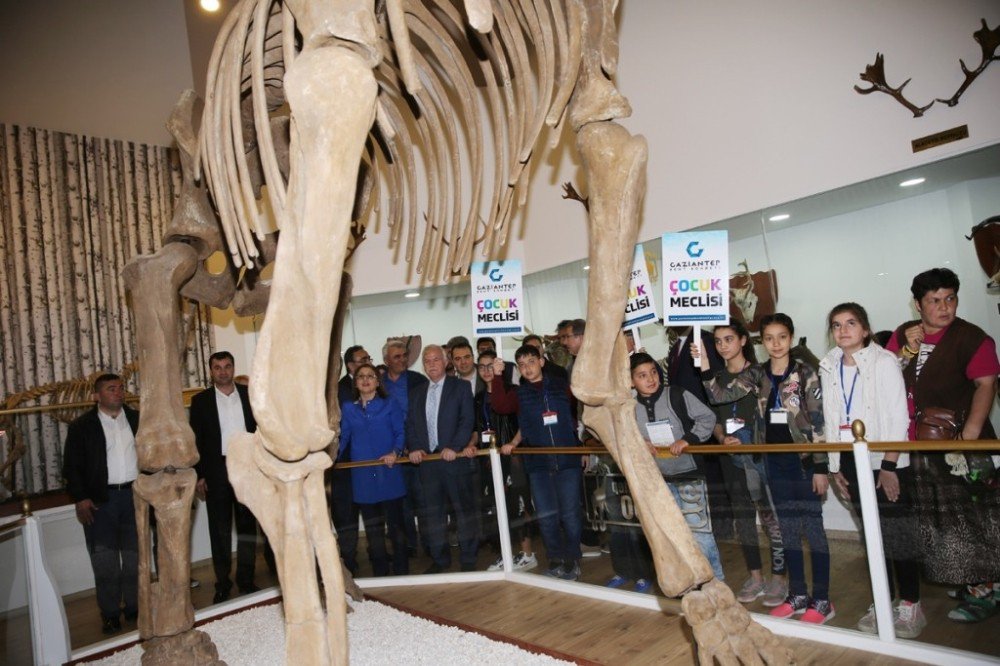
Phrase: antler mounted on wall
(989, 42)
(875, 75)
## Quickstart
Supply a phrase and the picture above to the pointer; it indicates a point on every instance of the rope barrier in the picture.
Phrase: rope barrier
(719, 449)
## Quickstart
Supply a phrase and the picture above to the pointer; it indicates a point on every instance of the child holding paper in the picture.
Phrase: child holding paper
(669, 418)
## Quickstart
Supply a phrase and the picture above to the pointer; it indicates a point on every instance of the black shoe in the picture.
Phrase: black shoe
(555, 569)
(249, 589)
(468, 567)
(434, 569)
(110, 625)
(220, 596)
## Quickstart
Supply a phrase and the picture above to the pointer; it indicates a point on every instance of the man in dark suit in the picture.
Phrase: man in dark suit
(441, 420)
(99, 465)
(353, 357)
(216, 415)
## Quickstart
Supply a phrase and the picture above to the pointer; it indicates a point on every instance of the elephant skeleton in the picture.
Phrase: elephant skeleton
(369, 90)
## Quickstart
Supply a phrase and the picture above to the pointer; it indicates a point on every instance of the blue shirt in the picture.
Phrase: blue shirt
(398, 390)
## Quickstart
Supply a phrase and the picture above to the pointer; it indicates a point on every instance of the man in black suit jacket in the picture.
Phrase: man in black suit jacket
(208, 422)
(441, 420)
(353, 357)
(99, 466)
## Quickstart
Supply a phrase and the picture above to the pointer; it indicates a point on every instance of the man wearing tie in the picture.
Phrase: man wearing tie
(216, 415)
(441, 420)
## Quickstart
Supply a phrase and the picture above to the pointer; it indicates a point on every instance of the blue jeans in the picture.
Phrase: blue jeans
(800, 515)
(556, 495)
(705, 540)
(114, 554)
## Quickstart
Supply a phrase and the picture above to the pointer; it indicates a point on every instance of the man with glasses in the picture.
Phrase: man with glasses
(353, 357)
(571, 337)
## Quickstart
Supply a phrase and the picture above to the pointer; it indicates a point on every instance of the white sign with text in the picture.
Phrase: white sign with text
(497, 298)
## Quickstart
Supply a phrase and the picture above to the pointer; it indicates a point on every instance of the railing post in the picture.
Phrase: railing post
(49, 629)
(500, 497)
(873, 535)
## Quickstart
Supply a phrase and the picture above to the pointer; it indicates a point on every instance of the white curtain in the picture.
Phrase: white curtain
(73, 211)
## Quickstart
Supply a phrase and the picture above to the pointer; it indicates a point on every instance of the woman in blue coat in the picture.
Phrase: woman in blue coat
(372, 429)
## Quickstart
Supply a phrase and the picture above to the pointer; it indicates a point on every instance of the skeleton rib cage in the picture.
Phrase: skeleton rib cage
(435, 77)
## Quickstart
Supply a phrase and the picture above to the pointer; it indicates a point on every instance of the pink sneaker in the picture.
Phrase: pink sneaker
(819, 612)
(794, 604)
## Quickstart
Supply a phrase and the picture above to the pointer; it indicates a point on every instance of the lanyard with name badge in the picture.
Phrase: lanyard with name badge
(549, 417)
(735, 423)
(778, 415)
(845, 428)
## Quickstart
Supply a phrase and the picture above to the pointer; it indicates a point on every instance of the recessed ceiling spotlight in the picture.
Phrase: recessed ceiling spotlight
(586, 267)
(210, 5)
(411, 294)
(911, 182)
(781, 217)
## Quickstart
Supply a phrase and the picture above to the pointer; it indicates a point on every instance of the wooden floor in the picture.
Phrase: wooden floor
(518, 611)
(595, 631)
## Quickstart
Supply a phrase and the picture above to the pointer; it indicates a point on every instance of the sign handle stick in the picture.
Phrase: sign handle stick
(636, 338)
(500, 347)
(696, 339)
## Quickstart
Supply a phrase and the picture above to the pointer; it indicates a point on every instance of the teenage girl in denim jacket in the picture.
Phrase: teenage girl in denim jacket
(789, 410)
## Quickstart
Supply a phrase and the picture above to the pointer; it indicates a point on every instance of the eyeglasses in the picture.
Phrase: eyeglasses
(366, 359)
(366, 376)
(488, 366)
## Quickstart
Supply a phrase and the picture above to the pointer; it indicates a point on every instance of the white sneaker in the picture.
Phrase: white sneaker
(496, 566)
(910, 620)
(524, 561)
(868, 622)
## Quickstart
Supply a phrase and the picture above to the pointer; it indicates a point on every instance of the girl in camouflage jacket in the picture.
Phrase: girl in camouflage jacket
(789, 410)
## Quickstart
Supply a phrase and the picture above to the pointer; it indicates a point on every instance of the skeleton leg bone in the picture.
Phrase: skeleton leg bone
(170, 494)
(331, 91)
(164, 438)
(614, 165)
(614, 162)
(289, 502)
(165, 446)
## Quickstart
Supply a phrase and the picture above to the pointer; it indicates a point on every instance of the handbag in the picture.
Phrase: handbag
(938, 423)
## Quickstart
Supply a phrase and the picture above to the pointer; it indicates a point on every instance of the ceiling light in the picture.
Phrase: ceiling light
(411, 294)
(781, 217)
(911, 182)
(210, 5)
(586, 267)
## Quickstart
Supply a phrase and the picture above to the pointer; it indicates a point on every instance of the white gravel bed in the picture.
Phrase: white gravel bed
(378, 635)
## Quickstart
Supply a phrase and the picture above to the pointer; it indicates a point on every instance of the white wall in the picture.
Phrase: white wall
(750, 105)
(744, 105)
(66, 555)
(105, 68)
